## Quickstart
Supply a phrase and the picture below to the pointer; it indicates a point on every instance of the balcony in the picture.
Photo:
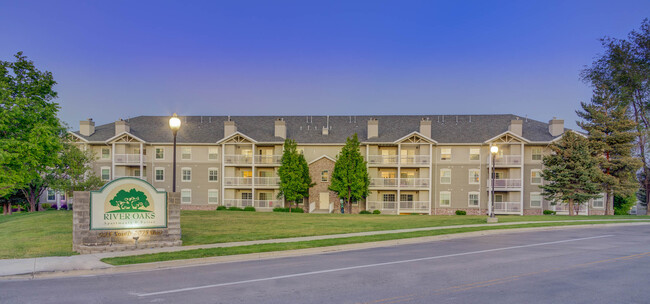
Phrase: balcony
(382, 159)
(258, 204)
(237, 181)
(414, 206)
(505, 184)
(507, 160)
(383, 182)
(129, 158)
(267, 181)
(507, 207)
(268, 159)
(268, 204)
(241, 203)
(386, 207)
(415, 160)
(120, 176)
(414, 183)
(237, 159)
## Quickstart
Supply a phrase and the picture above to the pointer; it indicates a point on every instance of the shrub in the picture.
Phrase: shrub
(46, 205)
(233, 208)
(549, 212)
(461, 212)
(376, 212)
(249, 208)
(297, 210)
(221, 208)
(365, 212)
(293, 210)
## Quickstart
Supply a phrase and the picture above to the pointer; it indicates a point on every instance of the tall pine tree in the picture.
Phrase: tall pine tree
(350, 179)
(611, 136)
(295, 180)
(571, 171)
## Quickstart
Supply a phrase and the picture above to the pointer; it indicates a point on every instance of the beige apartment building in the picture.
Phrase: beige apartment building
(426, 164)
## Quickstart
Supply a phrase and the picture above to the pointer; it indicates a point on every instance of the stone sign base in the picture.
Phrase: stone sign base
(85, 240)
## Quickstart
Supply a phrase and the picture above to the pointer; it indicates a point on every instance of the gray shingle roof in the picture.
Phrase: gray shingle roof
(308, 129)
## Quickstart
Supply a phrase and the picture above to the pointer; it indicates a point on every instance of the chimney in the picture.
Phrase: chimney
(121, 126)
(556, 127)
(516, 126)
(229, 128)
(280, 128)
(373, 128)
(425, 127)
(87, 127)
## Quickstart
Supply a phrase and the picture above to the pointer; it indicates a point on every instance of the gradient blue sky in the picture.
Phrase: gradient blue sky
(119, 59)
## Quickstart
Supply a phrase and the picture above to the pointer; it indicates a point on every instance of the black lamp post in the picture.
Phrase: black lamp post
(174, 124)
(494, 150)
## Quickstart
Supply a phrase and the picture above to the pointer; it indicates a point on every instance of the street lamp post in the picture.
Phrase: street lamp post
(174, 124)
(493, 150)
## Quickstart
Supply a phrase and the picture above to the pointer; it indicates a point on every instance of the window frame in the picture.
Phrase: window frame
(210, 170)
(477, 154)
(190, 196)
(443, 176)
(155, 174)
(108, 156)
(471, 180)
(533, 154)
(541, 179)
(48, 195)
(541, 200)
(442, 152)
(478, 199)
(602, 199)
(155, 152)
(183, 174)
(101, 173)
(325, 176)
(217, 197)
(183, 153)
(448, 199)
(210, 153)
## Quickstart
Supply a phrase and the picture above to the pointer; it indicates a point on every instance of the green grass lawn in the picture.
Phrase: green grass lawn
(49, 233)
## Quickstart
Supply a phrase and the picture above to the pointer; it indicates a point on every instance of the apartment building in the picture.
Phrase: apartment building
(426, 164)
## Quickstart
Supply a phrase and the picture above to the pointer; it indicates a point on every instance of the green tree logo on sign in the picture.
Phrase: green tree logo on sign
(130, 201)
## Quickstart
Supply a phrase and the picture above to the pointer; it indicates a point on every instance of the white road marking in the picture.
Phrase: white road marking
(361, 266)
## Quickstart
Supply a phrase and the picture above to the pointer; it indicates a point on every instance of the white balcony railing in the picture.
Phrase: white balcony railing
(422, 206)
(415, 160)
(120, 176)
(507, 207)
(383, 182)
(237, 181)
(237, 159)
(508, 160)
(383, 159)
(129, 158)
(417, 182)
(378, 205)
(505, 184)
(267, 181)
(268, 159)
(267, 204)
(241, 203)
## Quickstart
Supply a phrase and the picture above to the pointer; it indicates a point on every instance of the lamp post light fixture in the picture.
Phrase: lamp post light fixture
(174, 124)
(493, 150)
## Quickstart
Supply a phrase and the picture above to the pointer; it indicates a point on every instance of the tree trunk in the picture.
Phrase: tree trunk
(571, 213)
(609, 210)
(290, 203)
(4, 209)
(349, 201)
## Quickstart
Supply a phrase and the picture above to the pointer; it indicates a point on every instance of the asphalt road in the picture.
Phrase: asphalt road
(594, 265)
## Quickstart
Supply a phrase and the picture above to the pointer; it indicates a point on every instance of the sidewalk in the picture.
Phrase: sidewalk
(32, 266)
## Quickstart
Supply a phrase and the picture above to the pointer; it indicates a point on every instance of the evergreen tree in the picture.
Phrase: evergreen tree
(571, 171)
(611, 136)
(295, 180)
(350, 179)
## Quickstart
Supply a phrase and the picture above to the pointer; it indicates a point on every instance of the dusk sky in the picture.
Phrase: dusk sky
(121, 59)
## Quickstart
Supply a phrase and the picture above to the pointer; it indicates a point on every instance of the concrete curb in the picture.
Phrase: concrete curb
(103, 269)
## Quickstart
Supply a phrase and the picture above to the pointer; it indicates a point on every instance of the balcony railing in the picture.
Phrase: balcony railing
(505, 184)
(421, 206)
(237, 159)
(268, 204)
(383, 159)
(129, 158)
(120, 176)
(383, 182)
(268, 159)
(378, 205)
(237, 181)
(241, 203)
(507, 207)
(267, 181)
(508, 160)
(414, 182)
(415, 160)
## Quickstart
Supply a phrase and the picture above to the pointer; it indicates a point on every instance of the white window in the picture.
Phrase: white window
(186, 196)
(445, 154)
(536, 153)
(474, 176)
(160, 153)
(389, 197)
(445, 198)
(535, 177)
(474, 154)
(473, 199)
(213, 196)
(186, 153)
(186, 174)
(136, 172)
(106, 173)
(445, 176)
(160, 174)
(51, 195)
(106, 153)
(599, 202)
(535, 200)
(213, 174)
(213, 153)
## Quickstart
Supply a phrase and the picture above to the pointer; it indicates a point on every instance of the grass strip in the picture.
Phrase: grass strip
(224, 251)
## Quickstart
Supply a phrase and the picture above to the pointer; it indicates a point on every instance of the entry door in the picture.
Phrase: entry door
(324, 200)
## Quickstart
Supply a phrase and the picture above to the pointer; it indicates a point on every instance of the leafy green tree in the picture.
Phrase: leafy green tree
(623, 204)
(16, 198)
(129, 200)
(30, 131)
(571, 171)
(624, 69)
(611, 136)
(74, 172)
(350, 179)
(295, 180)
